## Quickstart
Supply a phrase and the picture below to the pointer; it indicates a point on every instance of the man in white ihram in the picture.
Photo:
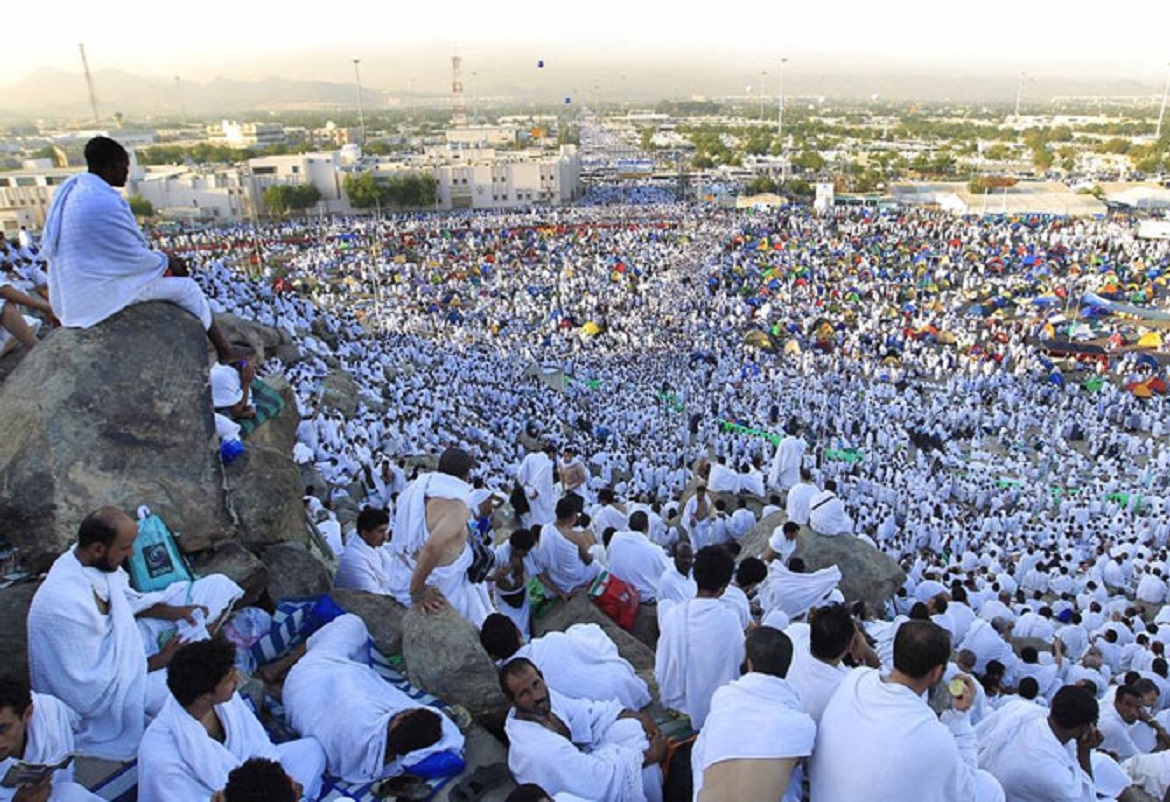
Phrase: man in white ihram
(785, 470)
(431, 535)
(756, 732)
(595, 750)
(885, 722)
(826, 513)
(93, 639)
(536, 477)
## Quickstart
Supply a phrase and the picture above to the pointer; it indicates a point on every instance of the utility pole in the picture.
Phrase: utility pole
(1019, 93)
(89, 83)
(1162, 111)
(361, 111)
(182, 105)
(780, 120)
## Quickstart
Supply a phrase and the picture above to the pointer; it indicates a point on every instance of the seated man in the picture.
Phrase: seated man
(581, 662)
(369, 728)
(365, 564)
(564, 552)
(593, 749)
(35, 728)
(873, 720)
(826, 513)
(701, 645)
(231, 389)
(516, 561)
(99, 262)
(94, 641)
(1028, 750)
(205, 730)
(635, 560)
(756, 733)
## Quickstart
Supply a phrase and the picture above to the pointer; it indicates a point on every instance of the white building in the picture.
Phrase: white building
(236, 135)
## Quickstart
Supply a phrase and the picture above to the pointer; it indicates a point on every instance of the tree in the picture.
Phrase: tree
(761, 184)
(362, 190)
(809, 160)
(141, 207)
(284, 198)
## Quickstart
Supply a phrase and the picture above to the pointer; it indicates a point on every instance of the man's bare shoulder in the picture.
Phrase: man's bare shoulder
(446, 517)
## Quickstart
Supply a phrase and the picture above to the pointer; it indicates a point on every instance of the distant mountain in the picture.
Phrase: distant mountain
(56, 93)
(51, 93)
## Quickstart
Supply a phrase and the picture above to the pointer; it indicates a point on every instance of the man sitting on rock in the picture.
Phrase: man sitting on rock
(368, 728)
(99, 262)
(12, 323)
(826, 513)
(581, 662)
(205, 730)
(36, 728)
(592, 749)
(431, 534)
(366, 564)
(94, 642)
(564, 552)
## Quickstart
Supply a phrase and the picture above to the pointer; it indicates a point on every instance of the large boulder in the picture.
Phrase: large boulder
(443, 657)
(237, 564)
(294, 572)
(340, 392)
(264, 489)
(14, 604)
(381, 614)
(116, 414)
(260, 339)
(867, 574)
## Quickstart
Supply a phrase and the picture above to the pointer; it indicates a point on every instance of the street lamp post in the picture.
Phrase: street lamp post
(780, 120)
(361, 112)
(1019, 93)
(1162, 110)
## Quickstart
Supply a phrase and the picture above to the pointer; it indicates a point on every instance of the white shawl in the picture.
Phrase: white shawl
(606, 768)
(795, 594)
(757, 716)
(410, 518)
(99, 260)
(50, 739)
(701, 648)
(93, 662)
(582, 662)
(179, 762)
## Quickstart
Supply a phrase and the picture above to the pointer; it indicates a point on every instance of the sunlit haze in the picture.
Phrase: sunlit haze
(412, 41)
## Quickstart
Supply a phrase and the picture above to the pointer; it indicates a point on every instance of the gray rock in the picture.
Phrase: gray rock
(339, 392)
(867, 574)
(646, 625)
(381, 614)
(264, 490)
(294, 571)
(279, 433)
(443, 657)
(237, 564)
(261, 339)
(116, 414)
(288, 354)
(14, 603)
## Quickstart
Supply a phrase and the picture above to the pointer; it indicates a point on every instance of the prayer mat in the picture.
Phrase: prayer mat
(267, 403)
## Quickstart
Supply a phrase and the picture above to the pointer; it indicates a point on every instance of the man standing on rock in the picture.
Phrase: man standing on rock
(536, 477)
(99, 262)
(94, 641)
(431, 533)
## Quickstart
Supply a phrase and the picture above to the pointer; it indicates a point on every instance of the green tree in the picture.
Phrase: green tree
(284, 198)
(809, 160)
(362, 190)
(141, 207)
(761, 184)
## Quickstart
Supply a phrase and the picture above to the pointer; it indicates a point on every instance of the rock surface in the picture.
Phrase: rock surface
(866, 574)
(443, 657)
(382, 616)
(14, 603)
(293, 572)
(115, 414)
(580, 610)
(237, 564)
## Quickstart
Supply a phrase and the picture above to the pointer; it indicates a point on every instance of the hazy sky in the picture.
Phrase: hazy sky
(250, 39)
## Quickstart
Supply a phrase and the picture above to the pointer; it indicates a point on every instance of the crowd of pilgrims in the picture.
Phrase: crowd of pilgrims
(1035, 506)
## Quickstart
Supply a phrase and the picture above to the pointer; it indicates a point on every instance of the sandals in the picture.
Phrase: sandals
(404, 786)
(476, 785)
